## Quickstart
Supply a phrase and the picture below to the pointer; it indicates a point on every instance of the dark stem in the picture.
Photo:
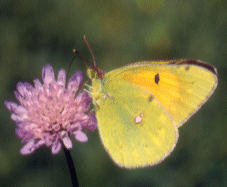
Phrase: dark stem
(71, 168)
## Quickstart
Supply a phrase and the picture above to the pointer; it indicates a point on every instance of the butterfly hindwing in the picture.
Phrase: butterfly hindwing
(134, 127)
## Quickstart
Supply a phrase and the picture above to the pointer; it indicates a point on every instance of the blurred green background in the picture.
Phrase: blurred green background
(36, 32)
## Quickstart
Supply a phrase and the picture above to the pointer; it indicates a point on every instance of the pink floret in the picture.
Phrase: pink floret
(51, 112)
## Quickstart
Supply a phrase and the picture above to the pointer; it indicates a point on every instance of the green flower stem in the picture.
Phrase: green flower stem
(71, 168)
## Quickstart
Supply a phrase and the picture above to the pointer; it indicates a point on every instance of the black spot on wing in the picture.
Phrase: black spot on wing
(157, 78)
(150, 98)
(187, 68)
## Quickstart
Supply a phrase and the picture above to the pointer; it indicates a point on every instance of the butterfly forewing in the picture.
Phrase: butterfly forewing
(180, 87)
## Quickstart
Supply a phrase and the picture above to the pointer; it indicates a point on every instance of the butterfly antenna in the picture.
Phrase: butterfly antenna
(82, 56)
(89, 47)
(71, 62)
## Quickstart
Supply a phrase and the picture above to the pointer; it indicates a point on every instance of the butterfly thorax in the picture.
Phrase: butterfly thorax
(96, 88)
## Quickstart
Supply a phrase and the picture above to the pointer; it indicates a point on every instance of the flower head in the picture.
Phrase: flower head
(50, 113)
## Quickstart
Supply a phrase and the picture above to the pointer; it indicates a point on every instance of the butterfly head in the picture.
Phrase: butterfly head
(95, 73)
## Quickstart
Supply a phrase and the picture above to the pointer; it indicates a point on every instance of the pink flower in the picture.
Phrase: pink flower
(50, 113)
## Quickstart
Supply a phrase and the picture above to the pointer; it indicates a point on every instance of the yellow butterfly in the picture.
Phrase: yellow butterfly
(140, 107)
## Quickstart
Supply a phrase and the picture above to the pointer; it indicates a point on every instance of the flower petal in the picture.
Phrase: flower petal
(61, 77)
(38, 85)
(48, 74)
(28, 148)
(25, 89)
(10, 106)
(16, 117)
(75, 81)
(67, 142)
(15, 108)
(85, 102)
(56, 147)
(92, 124)
(80, 136)
(18, 96)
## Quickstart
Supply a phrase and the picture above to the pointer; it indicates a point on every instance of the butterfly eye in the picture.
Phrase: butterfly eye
(91, 73)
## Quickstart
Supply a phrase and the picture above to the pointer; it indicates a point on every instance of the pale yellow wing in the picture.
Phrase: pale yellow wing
(181, 86)
(134, 127)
